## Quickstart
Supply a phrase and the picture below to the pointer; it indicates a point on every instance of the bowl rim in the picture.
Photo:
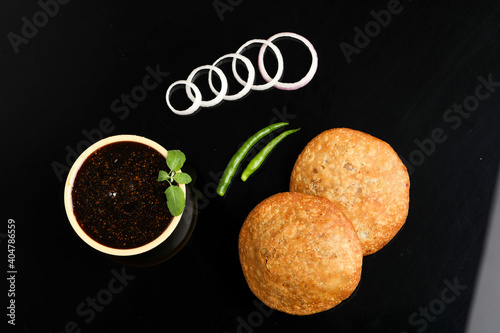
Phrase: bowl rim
(68, 202)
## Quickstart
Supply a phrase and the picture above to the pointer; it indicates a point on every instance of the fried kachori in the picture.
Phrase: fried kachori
(363, 176)
(299, 253)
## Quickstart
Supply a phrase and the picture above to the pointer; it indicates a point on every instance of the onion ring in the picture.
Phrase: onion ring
(219, 97)
(278, 55)
(196, 103)
(248, 84)
(302, 82)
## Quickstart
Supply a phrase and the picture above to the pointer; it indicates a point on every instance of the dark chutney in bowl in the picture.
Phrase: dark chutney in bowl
(117, 199)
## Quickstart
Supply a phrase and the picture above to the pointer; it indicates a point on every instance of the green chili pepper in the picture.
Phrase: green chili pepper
(259, 159)
(238, 157)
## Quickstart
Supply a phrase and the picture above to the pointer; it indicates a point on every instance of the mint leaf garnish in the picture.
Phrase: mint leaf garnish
(182, 178)
(175, 196)
(175, 159)
(163, 176)
(175, 200)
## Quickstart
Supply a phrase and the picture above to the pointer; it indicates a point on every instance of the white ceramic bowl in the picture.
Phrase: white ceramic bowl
(68, 202)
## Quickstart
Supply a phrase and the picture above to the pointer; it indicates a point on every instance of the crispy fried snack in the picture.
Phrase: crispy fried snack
(360, 174)
(299, 253)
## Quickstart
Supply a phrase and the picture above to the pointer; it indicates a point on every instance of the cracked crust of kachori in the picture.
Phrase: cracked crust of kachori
(299, 253)
(360, 174)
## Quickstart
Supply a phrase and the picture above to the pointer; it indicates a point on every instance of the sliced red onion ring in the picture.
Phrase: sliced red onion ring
(278, 55)
(310, 74)
(220, 94)
(248, 84)
(196, 102)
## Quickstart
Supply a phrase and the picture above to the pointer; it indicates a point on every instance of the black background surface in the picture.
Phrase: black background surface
(64, 80)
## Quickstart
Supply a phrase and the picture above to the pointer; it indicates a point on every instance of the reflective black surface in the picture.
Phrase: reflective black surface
(422, 75)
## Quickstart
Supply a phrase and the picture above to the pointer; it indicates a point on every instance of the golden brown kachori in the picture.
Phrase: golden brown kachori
(360, 174)
(299, 253)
